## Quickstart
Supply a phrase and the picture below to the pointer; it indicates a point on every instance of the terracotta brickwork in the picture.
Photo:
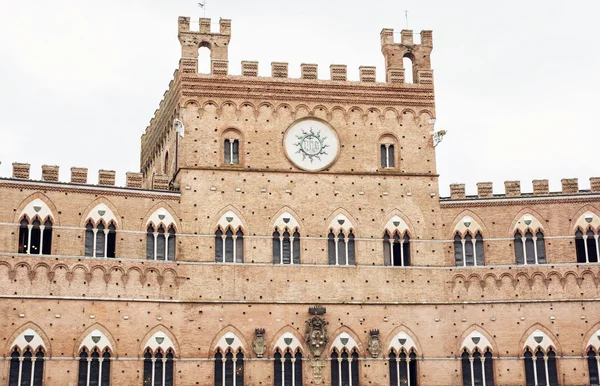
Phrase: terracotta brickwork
(189, 184)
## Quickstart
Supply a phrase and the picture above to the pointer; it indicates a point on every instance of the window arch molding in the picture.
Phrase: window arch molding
(287, 239)
(477, 358)
(548, 339)
(161, 229)
(160, 331)
(468, 240)
(100, 224)
(228, 349)
(341, 246)
(587, 236)
(231, 147)
(29, 208)
(288, 337)
(388, 151)
(27, 353)
(89, 339)
(228, 337)
(397, 249)
(36, 222)
(529, 233)
(159, 352)
(344, 351)
(21, 339)
(402, 354)
(230, 233)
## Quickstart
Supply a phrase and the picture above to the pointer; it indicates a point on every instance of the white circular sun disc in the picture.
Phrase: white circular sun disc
(311, 144)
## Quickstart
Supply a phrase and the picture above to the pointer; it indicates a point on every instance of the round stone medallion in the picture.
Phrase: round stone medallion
(311, 144)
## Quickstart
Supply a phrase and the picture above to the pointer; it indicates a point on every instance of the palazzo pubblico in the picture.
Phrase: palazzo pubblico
(288, 231)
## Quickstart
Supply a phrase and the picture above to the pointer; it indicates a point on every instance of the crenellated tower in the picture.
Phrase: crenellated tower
(217, 43)
(419, 54)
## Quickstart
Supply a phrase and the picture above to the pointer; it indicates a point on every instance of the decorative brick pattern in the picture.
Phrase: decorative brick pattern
(219, 67)
(160, 182)
(368, 74)
(570, 185)
(595, 184)
(309, 71)
(406, 37)
(50, 173)
(540, 187)
(21, 170)
(424, 77)
(249, 68)
(485, 189)
(279, 70)
(106, 177)
(204, 25)
(395, 75)
(79, 175)
(512, 188)
(338, 72)
(457, 191)
(134, 180)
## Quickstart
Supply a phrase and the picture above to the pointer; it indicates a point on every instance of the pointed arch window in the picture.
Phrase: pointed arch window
(94, 367)
(35, 236)
(540, 367)
(26, 367)
(158, 367)
(587, 246)
(286, 246)
(340, 247)
(229, 368)
(160, 242)
(477, 368)
(530, 247)
(396, 249)
(229, 246)
(344, 368)
(468, 250)
(403, 368)
(100, 240)
(593, 357)
(287, 368)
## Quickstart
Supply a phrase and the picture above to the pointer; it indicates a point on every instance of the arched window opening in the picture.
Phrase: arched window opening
(100, 241)
(387, 154)
(286, 246)
(407, 63)
(229, 369)
(594, 366)
(468, 250)
(158, 367)
(94, 369)
(229, 246)
(35, 238)
(344, 368)
(403, 368)
(540, 367)
(204, 61)
(341, 249)
(530, 249)
(396, 249)
(26, 368)
(477, 368)
(231, 150)
(587, 246)
(160, 242)
(287, 368)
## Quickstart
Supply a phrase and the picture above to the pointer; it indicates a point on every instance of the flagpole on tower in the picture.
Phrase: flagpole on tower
(406, 16)
(203, 6)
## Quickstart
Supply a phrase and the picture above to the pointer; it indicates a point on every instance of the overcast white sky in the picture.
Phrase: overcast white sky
(517, 82)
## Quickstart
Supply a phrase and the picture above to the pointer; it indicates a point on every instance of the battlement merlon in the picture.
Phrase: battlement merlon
(420, 55)
(191, 41)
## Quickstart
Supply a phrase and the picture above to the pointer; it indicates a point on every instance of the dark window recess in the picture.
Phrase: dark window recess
(387, 156)
(35, 238)
(231, 151)
(226, 369)
(157, 367)
(530, 249)
(286, 247)
(468, 251)
(586, 246)
(535, 367)
(229, 248)
(160, 243)
(22, 366)
(396, 249)
(341, 249)
(341, 369)
(593, 367)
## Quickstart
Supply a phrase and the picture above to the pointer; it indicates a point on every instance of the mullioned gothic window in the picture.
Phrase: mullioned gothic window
(161, 236)
(387, 152)
(27, 360)
(340, 242)
(396, 243)
(530, 247)
(94, 360)
(593, 358)
(477, 361)
(158, 361)
(100, 232)
(402, 359)
(35, 229)
(468, 243)
(540, 360)
(587, 245)
(287, 361)
(229, 361)
(286, 240)
(344, 361)
(231, 147)
(229, 239)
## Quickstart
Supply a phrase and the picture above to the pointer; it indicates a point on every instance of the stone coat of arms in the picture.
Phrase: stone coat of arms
(259, 344)
(316, 332)
(374, 345)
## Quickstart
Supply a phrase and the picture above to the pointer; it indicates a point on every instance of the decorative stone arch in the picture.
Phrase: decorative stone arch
(231, 134)
(189, 103)
(395, 220)
(402, 338)
(408, 115)
(340, 219)
(476, 337)
(474, 225)
(302, 107)
(288, 337)
(535, 220)
(587, 217)
(228, 103)
(344, 337)
(229, 338)
(285, 107)
(341, 110)
(396, 114)
(101, 209)
(37, 205)
(95, 336)
(159, 337)
(160, 214)
(392, 144)
(28, 335)
(229, 217)
(287, 219)
(531, 340)
(591, 339)
(424, 116)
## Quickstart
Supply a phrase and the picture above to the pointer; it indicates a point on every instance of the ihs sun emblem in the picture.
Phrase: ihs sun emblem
(311, 145)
